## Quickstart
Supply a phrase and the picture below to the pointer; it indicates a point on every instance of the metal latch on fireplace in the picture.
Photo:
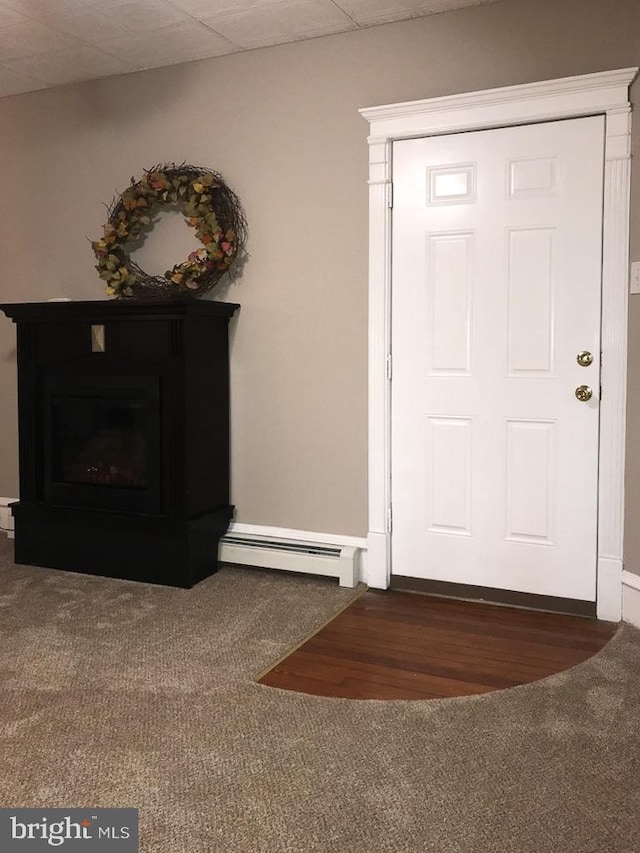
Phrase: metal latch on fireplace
(97, 338)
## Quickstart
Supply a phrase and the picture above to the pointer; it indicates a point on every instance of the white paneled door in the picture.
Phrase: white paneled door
(496, 287)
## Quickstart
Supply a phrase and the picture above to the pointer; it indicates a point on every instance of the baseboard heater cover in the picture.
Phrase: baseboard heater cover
(6, 519)
(270, 552)
(293, 556)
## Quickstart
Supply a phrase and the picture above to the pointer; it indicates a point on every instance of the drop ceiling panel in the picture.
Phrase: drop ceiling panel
(186, 42)
(10, 16)
(368, 12)
(29, 38)
(208, 8)
(280, 22)
(85, 62)
(88, 24)
(35, 8)
(141, 15)
(51, 42)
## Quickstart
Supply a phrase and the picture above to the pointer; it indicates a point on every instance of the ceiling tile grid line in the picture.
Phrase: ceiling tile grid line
(45, 43)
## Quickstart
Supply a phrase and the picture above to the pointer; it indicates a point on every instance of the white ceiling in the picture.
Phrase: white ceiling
(46, 43)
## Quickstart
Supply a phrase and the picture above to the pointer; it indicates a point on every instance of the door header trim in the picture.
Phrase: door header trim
(570, 97)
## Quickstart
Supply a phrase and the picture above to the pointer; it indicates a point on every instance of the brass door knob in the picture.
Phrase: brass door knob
(584, 393)
(584, 359)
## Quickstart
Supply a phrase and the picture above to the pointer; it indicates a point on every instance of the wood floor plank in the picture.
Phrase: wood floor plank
(479, 659)
(447, 641)
(486, 673)
(364, 671)
(463, 630)
(481, 612)
(479, 622)
(399, 645)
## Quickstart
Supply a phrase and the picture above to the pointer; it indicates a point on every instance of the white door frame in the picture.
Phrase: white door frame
(605, 93)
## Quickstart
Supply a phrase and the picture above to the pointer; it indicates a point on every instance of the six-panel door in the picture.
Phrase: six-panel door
(496, 279)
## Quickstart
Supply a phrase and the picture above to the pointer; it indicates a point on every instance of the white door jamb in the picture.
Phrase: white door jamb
(605, 93)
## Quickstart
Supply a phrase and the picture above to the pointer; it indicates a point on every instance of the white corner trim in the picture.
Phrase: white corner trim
(590, 94)
(631, 598)
(6, 519)
(351, 565)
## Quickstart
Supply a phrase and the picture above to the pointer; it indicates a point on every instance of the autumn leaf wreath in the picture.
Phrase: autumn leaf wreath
(207, 204)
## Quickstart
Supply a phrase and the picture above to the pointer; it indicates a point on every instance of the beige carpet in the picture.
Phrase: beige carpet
(121, 694)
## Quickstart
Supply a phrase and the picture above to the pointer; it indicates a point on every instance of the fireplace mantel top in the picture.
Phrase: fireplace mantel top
(159, 309)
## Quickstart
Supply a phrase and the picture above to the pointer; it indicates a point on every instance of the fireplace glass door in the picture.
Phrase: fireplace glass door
(103, 442)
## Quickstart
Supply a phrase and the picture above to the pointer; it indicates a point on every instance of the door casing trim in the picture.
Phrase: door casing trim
(604, 93)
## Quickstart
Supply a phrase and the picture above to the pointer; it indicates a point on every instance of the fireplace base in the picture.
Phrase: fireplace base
(171, 551)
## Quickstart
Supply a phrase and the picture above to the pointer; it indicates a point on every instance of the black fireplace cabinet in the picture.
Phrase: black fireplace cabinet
(123, 423)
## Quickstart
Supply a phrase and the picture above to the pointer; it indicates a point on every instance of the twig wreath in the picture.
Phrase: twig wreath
(207, 204)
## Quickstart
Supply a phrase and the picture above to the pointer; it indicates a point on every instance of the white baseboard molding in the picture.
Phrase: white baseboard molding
(609, 592)
(331, 555)
(6, 519)
(631, 598)
(378, 562)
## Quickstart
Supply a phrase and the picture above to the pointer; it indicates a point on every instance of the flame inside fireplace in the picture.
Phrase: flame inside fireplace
(99, 441)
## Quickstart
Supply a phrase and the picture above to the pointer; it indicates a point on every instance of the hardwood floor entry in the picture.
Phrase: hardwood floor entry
(399, 645)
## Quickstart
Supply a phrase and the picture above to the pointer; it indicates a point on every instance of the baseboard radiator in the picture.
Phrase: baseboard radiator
(268, 551)
(6, 519)
(339, 561)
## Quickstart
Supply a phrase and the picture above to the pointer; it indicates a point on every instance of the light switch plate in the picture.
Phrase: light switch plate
(635, 277)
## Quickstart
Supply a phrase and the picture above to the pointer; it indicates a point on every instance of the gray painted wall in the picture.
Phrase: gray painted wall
(282, 125)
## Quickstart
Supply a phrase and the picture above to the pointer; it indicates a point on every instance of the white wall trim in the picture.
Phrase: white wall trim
(631, 580)
(591, 94)
(631, 598)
